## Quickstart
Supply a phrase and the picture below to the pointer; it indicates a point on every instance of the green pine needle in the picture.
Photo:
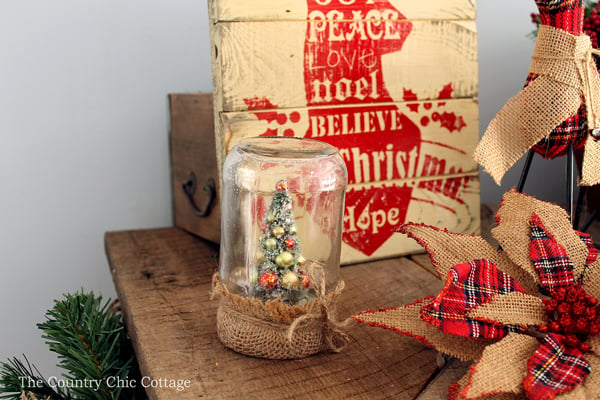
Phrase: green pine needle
(16, 377)
(92, 346)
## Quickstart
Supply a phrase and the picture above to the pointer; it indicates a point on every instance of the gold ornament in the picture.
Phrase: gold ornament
(285, 259)
(290, 280)
(301, 261)
(270, 243)
(278, 231)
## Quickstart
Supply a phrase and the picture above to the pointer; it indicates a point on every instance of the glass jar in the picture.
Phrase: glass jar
(282, 212)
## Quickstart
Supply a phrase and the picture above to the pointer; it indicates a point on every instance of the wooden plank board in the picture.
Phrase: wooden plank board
(447, 132)
(296, 10)
(430, 59)
(163, 279)
(374, 210)
(412, 164)
(391, 84)
(451, 372)
(424, 261)
(192, 146)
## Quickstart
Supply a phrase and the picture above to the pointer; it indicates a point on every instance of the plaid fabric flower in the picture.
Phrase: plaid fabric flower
(527, 314)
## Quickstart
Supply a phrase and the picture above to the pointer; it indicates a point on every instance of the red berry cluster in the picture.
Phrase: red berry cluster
(591, 24)
(573, 313)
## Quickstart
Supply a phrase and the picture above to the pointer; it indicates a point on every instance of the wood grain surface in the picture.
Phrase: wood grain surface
(295, 10)
(163, 279)
(261, 58)
(192, 146)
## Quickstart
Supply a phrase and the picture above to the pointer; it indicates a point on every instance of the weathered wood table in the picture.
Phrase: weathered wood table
(163, 280)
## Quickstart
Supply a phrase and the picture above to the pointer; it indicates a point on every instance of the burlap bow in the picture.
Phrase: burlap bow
(566, 77)
(335, 338)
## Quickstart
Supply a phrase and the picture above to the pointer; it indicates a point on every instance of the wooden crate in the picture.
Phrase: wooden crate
(196, 206)
(391, 84)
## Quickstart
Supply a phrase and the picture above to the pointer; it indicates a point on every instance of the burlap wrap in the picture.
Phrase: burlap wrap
(279, 331)
(566, 76)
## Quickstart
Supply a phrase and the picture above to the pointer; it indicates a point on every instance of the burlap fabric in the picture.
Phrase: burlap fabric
(513, 230)
(504, 363)
(446, 249)
(536, 357)
(512, 308)
(567, 76)
(275, 330)
(407, 321)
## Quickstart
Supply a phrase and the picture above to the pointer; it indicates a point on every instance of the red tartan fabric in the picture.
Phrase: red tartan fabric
(589, 242)
(554, 369)
(568, 16)
(469, 285)
(549, 258)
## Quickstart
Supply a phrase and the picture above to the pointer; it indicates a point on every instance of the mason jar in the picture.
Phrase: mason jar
(282, 217)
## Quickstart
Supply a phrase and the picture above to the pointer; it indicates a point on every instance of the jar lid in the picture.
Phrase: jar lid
(286, 147)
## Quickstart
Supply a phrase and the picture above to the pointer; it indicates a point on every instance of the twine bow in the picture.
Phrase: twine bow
(335, 338)
(566, 77)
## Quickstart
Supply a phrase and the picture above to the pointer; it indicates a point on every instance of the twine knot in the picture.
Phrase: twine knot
(279, 330)
(324, 310)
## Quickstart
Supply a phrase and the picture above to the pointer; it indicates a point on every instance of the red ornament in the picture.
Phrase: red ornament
(267, 280)
(304, 279)
(282, 186)
(290, 243)
(264, 227)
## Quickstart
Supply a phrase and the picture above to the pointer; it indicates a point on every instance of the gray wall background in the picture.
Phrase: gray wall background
(84, 129)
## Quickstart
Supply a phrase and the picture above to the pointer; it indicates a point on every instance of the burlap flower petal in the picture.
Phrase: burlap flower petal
(456, 388)
(594, 343)
(501, 368)
(512, 308)
(447, 249)
(513, 230)
(407, 321)
(579, 393)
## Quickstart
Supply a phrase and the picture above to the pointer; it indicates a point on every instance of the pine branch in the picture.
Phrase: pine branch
(18, 381)
(91, 343)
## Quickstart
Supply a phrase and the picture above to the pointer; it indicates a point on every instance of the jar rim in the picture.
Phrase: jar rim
(286, 147)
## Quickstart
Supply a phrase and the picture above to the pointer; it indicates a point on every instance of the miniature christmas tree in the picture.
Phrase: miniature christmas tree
(280, 264)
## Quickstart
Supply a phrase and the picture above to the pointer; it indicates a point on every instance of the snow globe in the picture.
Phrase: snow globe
(281, 228)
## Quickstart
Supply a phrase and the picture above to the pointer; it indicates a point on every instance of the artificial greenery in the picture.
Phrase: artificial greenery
(93, 350)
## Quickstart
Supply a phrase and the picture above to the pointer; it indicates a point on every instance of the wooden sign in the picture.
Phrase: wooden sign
(391, 84)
